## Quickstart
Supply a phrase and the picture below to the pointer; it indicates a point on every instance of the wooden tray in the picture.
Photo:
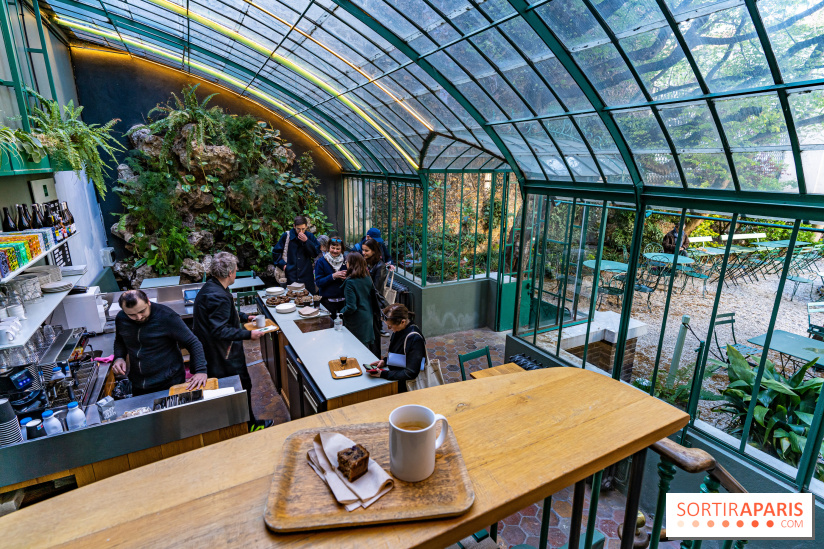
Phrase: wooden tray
(211, 383)
(251, 326)
(300, 500)
(335, 367)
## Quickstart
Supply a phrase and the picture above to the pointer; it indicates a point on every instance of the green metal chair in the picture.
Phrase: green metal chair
(647, 281)
(729, 318)
(483, 352)
(800, 262)
(240, 298)
(245, 274)
(815, 331)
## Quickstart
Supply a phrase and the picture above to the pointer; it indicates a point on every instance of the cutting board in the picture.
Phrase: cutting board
(299, 500)
(251, 326)
(335, 366)
(211, 383)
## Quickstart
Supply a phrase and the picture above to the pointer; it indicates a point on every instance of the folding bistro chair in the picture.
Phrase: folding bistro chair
(815, 331)
(729, 318)
(483, 352)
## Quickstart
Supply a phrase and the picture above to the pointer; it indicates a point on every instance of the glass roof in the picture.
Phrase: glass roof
(693, 94)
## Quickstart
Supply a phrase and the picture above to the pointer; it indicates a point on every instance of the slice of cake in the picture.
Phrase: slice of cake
(353, 462)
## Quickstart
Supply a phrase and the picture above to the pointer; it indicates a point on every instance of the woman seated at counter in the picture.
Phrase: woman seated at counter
(217, 324)
(407, 348)
(330, 275)
(357, 290)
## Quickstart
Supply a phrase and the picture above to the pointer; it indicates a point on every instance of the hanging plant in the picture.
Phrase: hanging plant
(14, 141)
(68, 139)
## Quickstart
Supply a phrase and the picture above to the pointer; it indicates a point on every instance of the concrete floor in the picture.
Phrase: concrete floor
(522, 527)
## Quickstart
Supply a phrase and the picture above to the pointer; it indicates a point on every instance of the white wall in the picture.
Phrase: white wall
(79, 194)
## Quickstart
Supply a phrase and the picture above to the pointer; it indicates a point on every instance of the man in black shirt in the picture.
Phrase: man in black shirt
(151, 335)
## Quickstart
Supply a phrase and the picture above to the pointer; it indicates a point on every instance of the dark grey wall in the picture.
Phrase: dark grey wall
(112, 85)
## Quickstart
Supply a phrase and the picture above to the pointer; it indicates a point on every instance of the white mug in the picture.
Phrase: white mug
(412, 441)
(7, 334)
(260, 321)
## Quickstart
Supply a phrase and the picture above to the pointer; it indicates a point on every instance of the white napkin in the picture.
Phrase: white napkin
(364, 491)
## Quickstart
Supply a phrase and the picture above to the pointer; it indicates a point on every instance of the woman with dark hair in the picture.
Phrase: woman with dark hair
(377, 270)
(330, 274)
(407, 348)
(357, 313)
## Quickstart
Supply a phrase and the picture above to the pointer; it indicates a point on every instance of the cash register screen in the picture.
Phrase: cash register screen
(189, 296)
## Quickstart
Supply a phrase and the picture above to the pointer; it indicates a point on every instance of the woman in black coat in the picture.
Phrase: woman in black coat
(377, 270)
(406, 341)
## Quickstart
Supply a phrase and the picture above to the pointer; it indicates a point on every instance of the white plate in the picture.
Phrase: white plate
(286, 308)
(274, 291)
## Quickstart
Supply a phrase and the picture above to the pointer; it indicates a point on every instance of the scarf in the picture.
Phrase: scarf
(335, 262)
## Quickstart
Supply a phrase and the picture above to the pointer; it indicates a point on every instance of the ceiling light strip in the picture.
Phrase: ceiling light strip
(217, 74)
(217, 27)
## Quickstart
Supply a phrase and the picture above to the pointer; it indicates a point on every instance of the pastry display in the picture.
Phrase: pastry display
(273, 301)
(304, 300)
(316, 299)
(353, 462)
(297, 293)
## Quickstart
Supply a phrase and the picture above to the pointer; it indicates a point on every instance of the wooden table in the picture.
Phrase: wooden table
(523, 437)
(503, 369)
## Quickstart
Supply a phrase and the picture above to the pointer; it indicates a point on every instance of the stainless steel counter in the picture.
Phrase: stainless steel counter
(44, 456)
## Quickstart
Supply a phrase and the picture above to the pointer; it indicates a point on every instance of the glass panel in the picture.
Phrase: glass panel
(568, 91)
(807, 109)
(519, 149)
(727, 51)
(661, 64)
(572, 22)
(706, 171)
(625, 15)
(754, 121)
(497, 49)
(609, 74)
(595, 132)
(642, 131)
(813, 164)
(691, 126)
(658, 169)
(546, 152)
(503, 95)
(795, 28)
(534, 91)
(766, 171)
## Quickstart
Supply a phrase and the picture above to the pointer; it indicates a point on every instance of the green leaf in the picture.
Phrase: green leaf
(804, 417)
(760, 414)
(778, 387)
(238, 226)
(785, 444)
(797, 443)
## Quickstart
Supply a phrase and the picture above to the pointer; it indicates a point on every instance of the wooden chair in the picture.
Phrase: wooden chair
(472, 356)
(729, 318)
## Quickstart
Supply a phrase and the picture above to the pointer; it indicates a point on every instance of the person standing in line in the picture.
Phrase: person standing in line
(330, 275)
(357, 313)
(377, 271)
(375, 234)
(217, 324)
(295, 253)
(150, 335)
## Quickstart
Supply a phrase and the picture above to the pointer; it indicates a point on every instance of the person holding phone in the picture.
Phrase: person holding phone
(406, 355)
(295, 253)
(330, 275)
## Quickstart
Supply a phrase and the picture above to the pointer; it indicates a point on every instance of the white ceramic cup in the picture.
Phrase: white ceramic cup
(412, 452)
(260, 321)
(7, 334)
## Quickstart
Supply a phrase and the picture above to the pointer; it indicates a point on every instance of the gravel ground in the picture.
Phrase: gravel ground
(752, 303)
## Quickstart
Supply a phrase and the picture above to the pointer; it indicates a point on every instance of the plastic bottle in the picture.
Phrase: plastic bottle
(23, 423)
(51, 423)
(57, 374)
(75, 418)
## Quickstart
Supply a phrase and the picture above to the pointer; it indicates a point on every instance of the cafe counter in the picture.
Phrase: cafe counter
(298, 356)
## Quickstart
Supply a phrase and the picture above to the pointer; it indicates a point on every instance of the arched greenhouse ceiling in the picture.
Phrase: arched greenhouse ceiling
(620, 95)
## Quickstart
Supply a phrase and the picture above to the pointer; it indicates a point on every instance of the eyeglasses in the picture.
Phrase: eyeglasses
(335, 241)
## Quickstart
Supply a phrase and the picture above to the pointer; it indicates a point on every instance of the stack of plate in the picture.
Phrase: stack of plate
(54, 287)
(9, 428)
(297, 286)
(274, 291)
(285, 308)
(308, 312)
(72, 270)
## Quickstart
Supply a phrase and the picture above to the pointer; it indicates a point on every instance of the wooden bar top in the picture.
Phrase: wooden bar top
(503, 369)
(523, 437)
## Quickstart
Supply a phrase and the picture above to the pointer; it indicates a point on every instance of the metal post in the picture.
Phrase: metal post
(808, 462)
(666, 472)
(636, 477)
(424, 223)
(593, 509)
(540, 269)
(695, 391)
(516, 324)
(562, 298)
(443, 226)
(582, 245)
(595, 278)
(491, 202)
(629, 290)
(577, 514)
(44, 50)
(546, 511)
(676, 356)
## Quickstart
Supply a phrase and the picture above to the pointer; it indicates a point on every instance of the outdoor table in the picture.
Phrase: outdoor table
(503, 369)
(522, 436)
(793, 345)
(606, 265)
(779, 243)
(661, 257)
(159, 282)
(248, 282)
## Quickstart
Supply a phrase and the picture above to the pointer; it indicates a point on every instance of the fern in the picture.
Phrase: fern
(68, 139)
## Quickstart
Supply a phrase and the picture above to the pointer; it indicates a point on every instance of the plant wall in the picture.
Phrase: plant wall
(200, 181)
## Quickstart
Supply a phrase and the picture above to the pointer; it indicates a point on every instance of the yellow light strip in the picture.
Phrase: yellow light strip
(181, 10)
(217, 74)
(396, 99)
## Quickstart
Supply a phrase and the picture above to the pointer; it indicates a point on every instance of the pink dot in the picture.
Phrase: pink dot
(754, 523)
(710, 523)
(740, 523)
(725, 523)
(770, 524)
(695, 523)
(680, 523)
